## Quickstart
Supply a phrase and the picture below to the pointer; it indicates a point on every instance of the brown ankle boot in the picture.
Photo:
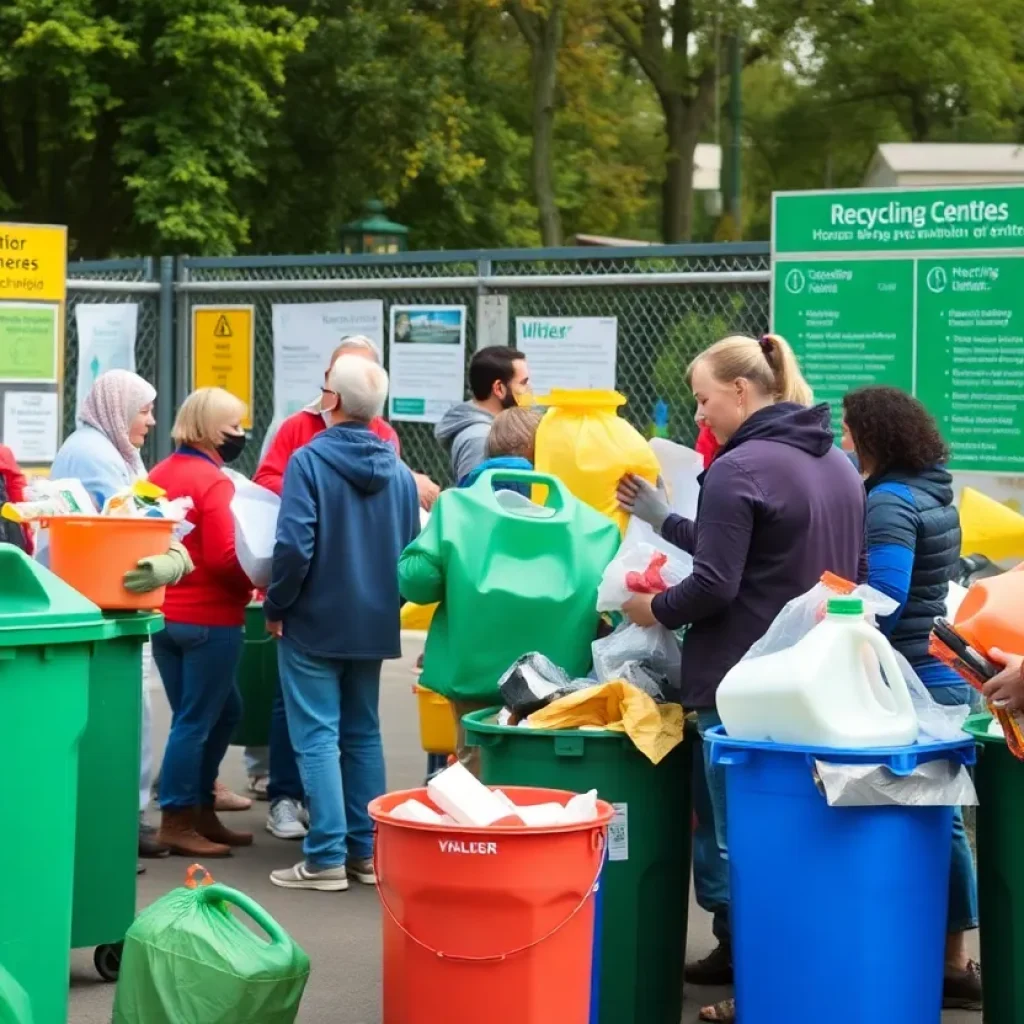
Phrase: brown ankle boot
(211, 827)
(178, 833)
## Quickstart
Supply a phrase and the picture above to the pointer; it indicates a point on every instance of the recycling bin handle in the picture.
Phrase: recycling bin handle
(225, 894)
(568, 746)
(728, 757)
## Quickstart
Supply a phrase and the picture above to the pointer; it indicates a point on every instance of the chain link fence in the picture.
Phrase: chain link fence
(86, 280)
(670, 301)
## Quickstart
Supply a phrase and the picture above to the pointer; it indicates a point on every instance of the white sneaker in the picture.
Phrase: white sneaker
(301, 876)
(287, 819)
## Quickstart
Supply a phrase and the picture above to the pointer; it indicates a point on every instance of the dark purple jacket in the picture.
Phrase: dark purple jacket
(779, 506)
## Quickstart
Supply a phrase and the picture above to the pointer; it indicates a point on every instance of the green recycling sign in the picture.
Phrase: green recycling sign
(920, 289)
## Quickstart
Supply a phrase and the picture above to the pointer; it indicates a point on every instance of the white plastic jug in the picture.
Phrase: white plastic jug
(824, 691)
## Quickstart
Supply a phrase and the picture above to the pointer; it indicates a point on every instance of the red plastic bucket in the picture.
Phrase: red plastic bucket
(488, 924)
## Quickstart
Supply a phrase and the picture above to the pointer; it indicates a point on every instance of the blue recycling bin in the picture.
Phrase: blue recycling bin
(838, 913)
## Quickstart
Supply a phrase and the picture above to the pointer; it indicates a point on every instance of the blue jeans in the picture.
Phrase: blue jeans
(963, 878)
(332, 704)
(283, 779)
(710, 868)
(199, 668)
(709, 854)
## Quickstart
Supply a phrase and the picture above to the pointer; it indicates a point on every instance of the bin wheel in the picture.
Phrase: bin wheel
(107, 960)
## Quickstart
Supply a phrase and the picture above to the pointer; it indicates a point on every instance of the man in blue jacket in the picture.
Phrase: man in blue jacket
(348, 509)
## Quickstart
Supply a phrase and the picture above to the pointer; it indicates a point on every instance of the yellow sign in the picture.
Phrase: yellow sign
(222, 351)
(33, 262)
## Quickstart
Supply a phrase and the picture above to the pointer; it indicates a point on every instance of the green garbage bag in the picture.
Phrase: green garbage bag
(187, 958)
(15, 1007)
(511, 579)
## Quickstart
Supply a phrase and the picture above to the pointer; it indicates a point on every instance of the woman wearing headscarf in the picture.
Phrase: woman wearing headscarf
(103, 453)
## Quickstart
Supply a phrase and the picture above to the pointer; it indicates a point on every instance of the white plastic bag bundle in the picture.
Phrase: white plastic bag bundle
(803, 613)
(613, 592)
(255, 511)
(643, 656)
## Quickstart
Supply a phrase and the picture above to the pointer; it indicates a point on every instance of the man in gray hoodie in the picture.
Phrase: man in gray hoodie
(497, 377)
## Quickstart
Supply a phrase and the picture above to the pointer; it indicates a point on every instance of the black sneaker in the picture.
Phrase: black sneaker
(149, 847)
(961, 990)
(714, 970)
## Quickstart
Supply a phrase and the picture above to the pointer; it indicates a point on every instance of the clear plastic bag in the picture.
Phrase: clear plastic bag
(937, 721)
(534, 681)
(803, 613)
(614, 590)
(255, 510)
(637, 654)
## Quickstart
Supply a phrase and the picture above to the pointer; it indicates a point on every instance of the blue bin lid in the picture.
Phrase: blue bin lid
(899, 760)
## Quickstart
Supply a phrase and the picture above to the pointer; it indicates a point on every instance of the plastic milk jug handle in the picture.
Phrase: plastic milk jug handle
(892, 670)
(224, 894)
(557, 498)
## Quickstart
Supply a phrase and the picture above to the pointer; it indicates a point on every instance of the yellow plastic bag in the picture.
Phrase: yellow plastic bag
(989, 528)
(655, 729)
(585, 443)
(417, 616)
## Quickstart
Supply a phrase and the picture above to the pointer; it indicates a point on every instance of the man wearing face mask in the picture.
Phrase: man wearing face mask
(284, 438)
(497, 377)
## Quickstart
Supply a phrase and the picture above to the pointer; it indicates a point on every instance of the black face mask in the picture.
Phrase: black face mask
(231, 447)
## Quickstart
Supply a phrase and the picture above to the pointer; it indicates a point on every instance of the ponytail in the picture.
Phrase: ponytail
(769, 363)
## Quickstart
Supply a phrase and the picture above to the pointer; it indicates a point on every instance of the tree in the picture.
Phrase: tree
(680, 45)
(136, 121)
(541, 23)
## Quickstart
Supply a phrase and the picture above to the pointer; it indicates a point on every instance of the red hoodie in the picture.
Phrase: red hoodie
(14, 484)
(707, 444)
(300, 428)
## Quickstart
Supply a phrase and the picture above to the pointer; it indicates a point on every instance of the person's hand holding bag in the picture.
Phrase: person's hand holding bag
(648, 503)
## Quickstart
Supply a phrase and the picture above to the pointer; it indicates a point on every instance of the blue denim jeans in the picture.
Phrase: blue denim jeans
(331, 705)
(199, 668)
(710, 868)
(709, 854)
(963, 878)
(283, 779)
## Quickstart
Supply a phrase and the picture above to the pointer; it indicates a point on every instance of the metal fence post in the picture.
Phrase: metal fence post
(183, 336)
(165, 405)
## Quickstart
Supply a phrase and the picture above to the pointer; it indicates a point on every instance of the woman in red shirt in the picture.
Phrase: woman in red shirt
(199, 649)
(12, 488)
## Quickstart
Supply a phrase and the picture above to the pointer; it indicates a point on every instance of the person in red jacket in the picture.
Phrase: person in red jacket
(300, 428)
(12, 488)
(199, 649)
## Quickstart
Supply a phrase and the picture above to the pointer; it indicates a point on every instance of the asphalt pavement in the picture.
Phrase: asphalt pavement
(339, 931)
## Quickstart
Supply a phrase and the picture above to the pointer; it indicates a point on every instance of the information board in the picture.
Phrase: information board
(223, 338)
(920, 289)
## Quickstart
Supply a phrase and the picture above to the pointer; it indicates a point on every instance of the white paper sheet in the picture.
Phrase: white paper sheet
(305, 335)
(30, 425)
(576, 353)
(106, 341)
(427, 361)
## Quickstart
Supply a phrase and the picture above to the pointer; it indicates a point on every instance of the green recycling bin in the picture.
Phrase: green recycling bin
(646, 882)
(14, 1005)
(999, 778)
(107, 830)
(47, 635)
(257, 680)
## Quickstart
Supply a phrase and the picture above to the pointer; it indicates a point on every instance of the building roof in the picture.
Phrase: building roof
(951, 157)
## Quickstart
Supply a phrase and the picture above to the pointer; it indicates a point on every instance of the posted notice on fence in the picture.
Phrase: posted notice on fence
(427, 361)
(574, 353)
(106, 341)
(305, 335)
(31, 425)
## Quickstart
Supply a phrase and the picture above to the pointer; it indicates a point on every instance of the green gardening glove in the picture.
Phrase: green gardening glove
(159, 570)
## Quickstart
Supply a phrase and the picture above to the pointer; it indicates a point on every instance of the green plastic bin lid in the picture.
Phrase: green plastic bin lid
(38, 608)
(134, 623)
(977, 726)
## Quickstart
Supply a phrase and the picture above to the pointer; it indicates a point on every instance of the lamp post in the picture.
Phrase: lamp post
(374, 233)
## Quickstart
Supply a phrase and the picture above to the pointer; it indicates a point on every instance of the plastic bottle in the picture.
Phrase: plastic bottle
(990, 615)
(824, 691)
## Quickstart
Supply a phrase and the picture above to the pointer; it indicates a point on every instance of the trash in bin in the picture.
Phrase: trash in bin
(493, 924)
(655, 729)
(533, 681)
(933, 784)
(188, 958)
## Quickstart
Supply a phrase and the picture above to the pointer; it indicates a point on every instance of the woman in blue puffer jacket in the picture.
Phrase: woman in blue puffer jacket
(913, 552)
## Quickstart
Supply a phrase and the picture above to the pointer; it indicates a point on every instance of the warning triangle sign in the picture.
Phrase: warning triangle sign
(222, 328)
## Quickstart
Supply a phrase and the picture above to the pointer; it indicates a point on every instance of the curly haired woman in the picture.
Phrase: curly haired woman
(913, 549)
